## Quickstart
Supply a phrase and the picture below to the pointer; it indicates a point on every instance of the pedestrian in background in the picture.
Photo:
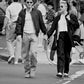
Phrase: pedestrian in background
(12, 12)
(29, 23)
(50, 15)
(64, 24)
(8, 2)
(73, 8)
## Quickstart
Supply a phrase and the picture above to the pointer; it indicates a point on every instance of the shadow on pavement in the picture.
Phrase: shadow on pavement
(4, 58)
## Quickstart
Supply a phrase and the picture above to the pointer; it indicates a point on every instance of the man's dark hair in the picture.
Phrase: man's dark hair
(9, 2)
(15, 0)
(32, 0)
(74, 3)
(0, 0)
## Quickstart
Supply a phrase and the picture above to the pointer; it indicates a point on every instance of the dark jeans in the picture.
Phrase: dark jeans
(63, 52)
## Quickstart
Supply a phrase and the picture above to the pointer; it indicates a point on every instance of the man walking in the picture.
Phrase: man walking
(28, 26)
(12, 12)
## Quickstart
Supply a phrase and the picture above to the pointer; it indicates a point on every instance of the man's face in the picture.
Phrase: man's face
(29, 3)
(63, 6)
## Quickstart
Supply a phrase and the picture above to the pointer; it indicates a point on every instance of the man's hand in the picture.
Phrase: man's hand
(45, 37)
(73, 50)
(3, 31)
(68, 17)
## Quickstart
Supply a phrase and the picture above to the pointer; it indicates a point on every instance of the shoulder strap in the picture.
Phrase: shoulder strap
(2, 10)
(22, 6)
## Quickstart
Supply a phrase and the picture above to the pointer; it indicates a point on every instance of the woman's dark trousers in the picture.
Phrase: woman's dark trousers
(63, 52)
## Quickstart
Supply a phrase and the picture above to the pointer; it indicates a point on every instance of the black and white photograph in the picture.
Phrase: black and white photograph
(41, 41)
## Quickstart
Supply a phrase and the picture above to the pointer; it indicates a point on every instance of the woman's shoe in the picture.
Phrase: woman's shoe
(59, 75)
(66, 75)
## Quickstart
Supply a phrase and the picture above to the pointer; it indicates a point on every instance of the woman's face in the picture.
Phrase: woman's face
(63, 6)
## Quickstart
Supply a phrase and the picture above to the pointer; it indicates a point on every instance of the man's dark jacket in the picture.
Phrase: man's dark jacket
(37, 21)
(72, 25)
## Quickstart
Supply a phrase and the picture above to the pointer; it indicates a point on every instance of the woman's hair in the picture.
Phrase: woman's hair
(68, 6)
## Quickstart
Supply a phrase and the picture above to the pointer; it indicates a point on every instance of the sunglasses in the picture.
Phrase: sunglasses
(61, 6)
(29, 2)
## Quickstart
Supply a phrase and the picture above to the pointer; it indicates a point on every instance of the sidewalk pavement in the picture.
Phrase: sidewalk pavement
(45, 74)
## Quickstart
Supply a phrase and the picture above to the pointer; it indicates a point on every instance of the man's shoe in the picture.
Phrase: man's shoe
(66, 75)
(16, 62)
(33, 71)
(59, 75)
(27, 74)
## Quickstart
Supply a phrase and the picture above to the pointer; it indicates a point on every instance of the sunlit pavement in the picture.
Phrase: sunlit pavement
(46, 73)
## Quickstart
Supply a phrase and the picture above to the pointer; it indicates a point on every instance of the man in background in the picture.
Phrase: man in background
(12, 12)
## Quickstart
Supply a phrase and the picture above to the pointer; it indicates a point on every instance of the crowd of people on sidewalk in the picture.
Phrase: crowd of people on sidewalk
(26, 24)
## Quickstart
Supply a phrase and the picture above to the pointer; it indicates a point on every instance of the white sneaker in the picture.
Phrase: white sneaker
(16, 62)
(59, 75)
(27, 75)
(33, 71)
(10, 58)
(66, 75)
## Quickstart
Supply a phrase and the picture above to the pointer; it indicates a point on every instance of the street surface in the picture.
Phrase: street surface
(45, 74)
